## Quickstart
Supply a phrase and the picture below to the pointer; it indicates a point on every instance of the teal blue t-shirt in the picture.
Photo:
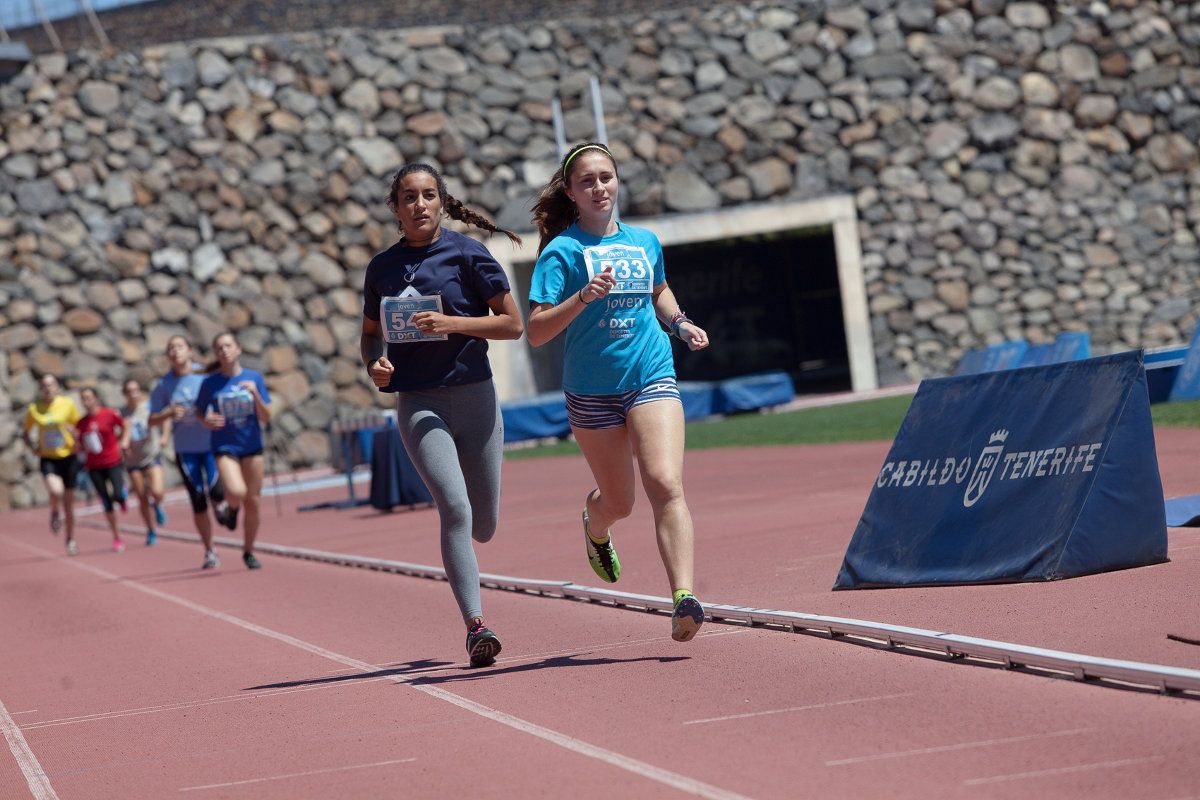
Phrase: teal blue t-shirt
(615, 344)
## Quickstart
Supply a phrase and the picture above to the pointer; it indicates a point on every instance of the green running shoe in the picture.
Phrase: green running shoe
(602, 557)
(687, 618)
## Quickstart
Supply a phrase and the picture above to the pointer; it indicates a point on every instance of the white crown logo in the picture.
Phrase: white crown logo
(998, 436)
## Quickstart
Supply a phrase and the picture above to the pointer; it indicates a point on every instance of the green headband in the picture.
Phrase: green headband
(567, 163)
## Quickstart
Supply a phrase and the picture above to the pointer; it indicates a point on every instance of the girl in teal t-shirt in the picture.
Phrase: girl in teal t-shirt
(603, 284)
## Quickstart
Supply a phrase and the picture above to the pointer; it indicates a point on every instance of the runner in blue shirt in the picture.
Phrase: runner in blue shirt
(602, 283)
(436, 363)
(173, 400)
(233, 403)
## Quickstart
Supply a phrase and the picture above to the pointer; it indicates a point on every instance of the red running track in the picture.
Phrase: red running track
(138, 675)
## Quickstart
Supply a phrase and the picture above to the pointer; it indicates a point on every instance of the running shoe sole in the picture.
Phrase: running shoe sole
(686, 619)
(483, 650)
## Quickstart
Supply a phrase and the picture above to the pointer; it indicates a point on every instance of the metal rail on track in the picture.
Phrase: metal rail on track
(1159, 677)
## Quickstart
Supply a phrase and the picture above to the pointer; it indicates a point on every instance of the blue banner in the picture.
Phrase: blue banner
(1028, 474)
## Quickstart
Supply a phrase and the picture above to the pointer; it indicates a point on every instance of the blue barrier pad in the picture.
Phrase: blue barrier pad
(1183, 512)
(1038, 355)
(699, 398)
(753, 392)
(1160, 357)
(1162, 367)
(545, 415)
(1070, 346)
(1030, 474)
(1187, 382)
(539, 417)
(1073, 346)
(1004, 355)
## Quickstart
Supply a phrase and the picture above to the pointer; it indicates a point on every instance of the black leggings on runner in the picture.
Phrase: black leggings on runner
(109, 483)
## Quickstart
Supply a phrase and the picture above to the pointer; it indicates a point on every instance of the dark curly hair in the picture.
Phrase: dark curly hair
(450, 204)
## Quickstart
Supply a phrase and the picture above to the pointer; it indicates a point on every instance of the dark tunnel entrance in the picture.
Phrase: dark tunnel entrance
(768, 302)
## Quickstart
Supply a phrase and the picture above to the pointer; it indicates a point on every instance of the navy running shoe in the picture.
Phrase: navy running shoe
(482, 645)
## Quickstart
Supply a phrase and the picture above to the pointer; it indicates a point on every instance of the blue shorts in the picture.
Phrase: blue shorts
(199, 472)
(596, 411)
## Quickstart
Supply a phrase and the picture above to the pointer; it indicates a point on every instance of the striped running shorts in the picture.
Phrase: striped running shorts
(598, 411)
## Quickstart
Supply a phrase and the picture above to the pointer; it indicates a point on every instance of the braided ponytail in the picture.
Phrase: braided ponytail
(456, 210)
(451, 205)
(553, 211)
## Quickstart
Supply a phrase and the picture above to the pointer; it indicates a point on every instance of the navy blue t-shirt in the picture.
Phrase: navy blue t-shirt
(464, 273)
(242, 434)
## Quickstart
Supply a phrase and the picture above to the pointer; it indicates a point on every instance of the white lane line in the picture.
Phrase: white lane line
(631, 765)
(31, 768)
(1043, 773)
(666, 777)
(19, 713)
(799, 708)
(295, 775)
(948, 748)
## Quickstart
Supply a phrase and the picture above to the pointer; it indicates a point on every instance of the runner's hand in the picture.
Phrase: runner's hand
(433, 322)
(177, 412)
(250, 386)
(599, 287)
(381, 372)
(214, 421)
(693, 336)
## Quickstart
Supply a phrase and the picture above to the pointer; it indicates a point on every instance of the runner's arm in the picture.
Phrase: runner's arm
(503, 323)
(370, 341)
(262, 409)
(547, 321)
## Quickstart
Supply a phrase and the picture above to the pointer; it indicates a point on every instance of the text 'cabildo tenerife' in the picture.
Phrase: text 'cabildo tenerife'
(1035, 464)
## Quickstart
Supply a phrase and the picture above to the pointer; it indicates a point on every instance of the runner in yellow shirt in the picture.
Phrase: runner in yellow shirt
(54, 416)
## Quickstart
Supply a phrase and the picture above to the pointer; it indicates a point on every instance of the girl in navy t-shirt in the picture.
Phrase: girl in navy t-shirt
(233, 402)
(437, 296)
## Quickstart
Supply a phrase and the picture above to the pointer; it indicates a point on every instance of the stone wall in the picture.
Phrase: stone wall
(1019, 170)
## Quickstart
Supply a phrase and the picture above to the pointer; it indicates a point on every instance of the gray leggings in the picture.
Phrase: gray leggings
(455, 438)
